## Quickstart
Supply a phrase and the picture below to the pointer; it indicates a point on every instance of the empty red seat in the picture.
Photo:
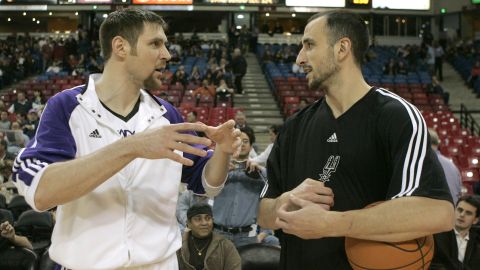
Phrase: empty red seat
(291, 100)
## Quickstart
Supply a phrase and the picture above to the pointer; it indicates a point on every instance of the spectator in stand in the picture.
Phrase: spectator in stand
(47, 53)
(460, 247)
(402, 68)
(235, 208)
(390, 68)
(239, 68)
(452, 174)
(436, 88)
(224, 93)
(187, 199)
(205, 90)
(430, 58)
(18, 141)
(241, 122)
(261, 159)
(439, 53)
(72, 64)
(5, 121)
(21, 105)
(94, 63)
(204, 249)
(278, 29)
(2, 106)
(265, 28)
(56, 67)
(474, 74)
(10, 256)
(180, 76)
(37, 100)
(196, 75)
(30, 127)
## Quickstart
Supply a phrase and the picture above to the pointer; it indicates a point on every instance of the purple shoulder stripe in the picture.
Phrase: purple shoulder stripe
(53, 141)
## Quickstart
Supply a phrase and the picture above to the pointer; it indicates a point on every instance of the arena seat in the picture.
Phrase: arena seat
(259, 257)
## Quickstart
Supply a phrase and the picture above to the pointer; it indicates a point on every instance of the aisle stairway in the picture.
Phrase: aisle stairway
(260, 106)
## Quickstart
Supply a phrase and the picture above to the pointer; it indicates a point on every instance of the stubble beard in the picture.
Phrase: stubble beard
(321, 81)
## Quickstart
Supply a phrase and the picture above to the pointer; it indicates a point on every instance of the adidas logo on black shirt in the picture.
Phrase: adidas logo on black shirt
(333, 138)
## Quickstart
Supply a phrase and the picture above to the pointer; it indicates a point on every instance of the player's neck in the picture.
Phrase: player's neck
(345, 90)
(118, 93)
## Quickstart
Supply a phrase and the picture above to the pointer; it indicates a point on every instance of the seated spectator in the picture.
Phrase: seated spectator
(16, 138)
(224, 93)
(2, 106)
(186, 200)
(196, 75)
(30, 126)
(192, 118)
(37, 100)
(390, 68)
(205, 90)
(266, 236)
(180, 76)
(436, 88)
(175, 57)
(5, 121)
(204, 249)
(402, 69)
(10, 256)
(474, 74)
(460, 247)
(21, 105)
(56, 67)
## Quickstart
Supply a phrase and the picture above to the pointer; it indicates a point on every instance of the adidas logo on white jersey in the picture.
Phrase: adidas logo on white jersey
(95, 134)
(333, 138)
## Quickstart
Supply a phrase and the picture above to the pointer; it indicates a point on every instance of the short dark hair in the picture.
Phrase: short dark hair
(347, 24)
(275, 129)
(250, 134)
(473, 200)
(127, 23)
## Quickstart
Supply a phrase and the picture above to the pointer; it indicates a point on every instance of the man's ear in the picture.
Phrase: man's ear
(343, 49)
(120, 47)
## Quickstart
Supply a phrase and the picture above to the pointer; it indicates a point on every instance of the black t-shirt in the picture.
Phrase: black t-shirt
(378, 150)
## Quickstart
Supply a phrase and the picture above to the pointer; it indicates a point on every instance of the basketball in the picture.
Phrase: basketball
(414, 254)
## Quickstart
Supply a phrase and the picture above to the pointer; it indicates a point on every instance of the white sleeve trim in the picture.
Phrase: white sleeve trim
(29, 191)
(211, 191)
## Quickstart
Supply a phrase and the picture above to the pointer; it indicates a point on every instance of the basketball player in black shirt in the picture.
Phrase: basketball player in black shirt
(358, 145)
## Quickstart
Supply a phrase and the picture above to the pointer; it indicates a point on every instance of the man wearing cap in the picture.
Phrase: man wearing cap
(204, 249)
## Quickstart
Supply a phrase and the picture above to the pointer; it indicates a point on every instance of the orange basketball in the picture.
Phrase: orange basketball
(373, 255)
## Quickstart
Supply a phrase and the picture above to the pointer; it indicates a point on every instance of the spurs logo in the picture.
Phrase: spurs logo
(329, 168)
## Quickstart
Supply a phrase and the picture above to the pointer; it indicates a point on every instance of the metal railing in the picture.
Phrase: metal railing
(467, 121)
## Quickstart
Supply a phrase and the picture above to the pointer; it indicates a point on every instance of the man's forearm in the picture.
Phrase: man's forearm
(395, 220)
(21, 241)
(216, 169)
(267, 213)
(66, 181)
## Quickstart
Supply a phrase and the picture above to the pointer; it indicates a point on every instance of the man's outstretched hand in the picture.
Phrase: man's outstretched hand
(226, 137)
